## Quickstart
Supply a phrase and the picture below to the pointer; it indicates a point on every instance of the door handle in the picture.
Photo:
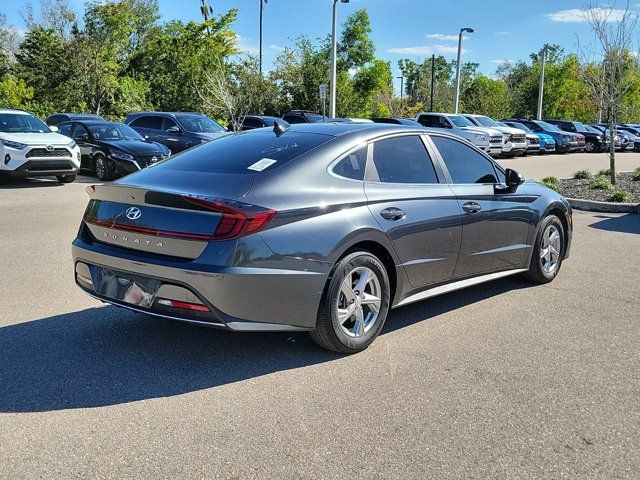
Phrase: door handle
(471, 207)
(392, 213)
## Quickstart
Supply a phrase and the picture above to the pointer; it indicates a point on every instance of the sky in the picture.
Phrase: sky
(414, 29)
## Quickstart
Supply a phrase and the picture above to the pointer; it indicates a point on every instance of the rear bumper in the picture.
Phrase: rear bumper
(238, 298)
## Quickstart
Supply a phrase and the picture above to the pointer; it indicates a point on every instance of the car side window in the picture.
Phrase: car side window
(294, 119)
(352, 165)
(168, 123)
(80, 133)
(465, 165)
(428, 120)
(403, 160)
(65, 129)
(535, 127)
(148, 121)
(252, 123)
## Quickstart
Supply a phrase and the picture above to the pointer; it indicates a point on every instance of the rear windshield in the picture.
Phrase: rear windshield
(248, 152)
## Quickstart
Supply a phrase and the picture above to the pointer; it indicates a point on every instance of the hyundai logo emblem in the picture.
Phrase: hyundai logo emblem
(49, 148)
(133, 213)
(154, 159)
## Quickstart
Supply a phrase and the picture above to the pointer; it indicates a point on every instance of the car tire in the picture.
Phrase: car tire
(66, 178)
(545, 264)
(347, 321)
(101, 168)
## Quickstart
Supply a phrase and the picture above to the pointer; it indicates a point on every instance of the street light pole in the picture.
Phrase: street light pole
(401, 77)
(332, 83)
(262, 2)
(541, 85)
(457, 92)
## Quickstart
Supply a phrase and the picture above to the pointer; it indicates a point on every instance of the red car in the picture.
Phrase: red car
(582, 142)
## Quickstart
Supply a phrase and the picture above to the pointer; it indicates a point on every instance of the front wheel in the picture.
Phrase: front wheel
(354, 305)
(548, 252)
(101, 168)
(66, 178)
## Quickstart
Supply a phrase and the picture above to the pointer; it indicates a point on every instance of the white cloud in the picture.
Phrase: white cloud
(577, 15)
(443, 37)
(426, 50)
(277, 48)
(500, 61)
(502, 32)
(245, 47)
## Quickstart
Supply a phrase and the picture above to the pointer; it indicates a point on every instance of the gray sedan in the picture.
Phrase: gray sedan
(315, 227)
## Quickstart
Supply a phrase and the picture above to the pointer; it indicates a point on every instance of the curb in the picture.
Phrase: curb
(606, 207)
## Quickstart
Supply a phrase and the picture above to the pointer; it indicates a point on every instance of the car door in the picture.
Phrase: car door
(420, 216)
(82, 137)
(150, 127)
(497, 224)
(176, 139)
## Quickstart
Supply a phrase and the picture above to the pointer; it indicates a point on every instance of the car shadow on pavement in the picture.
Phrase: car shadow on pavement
(12, 183)
(629, 223)
(108, 356)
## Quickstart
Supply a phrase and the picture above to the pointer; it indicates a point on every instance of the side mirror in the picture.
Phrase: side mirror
(53, 128)
(514, 179)
(175, 130)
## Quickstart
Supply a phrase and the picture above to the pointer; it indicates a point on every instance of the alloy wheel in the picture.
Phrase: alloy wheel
(550, 249)
(100, 168)
(359, 301)
(589, 147)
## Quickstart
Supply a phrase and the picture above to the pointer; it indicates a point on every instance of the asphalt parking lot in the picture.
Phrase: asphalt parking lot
(503, 380)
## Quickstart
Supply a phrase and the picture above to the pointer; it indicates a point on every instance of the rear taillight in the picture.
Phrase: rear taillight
(237, 219)
(198, 307)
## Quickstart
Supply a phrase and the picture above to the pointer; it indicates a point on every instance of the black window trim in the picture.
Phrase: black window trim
(443, 166)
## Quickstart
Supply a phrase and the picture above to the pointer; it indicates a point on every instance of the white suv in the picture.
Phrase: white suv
(28, 148)
(486, 139)
(514, 140)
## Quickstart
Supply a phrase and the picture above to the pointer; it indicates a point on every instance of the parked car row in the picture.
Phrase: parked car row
(67, 142)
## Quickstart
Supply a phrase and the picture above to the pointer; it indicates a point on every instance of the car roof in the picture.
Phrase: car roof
(90, 122)
(11, 110)
(137, 114)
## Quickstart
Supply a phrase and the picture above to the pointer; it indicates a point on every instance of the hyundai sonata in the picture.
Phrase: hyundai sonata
(317, 227)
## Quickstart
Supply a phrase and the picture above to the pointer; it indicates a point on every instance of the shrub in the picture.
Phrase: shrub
(619, 196)
(551, 182)
(582, 175)
(636, 175)
(605, 172)
(600, 183)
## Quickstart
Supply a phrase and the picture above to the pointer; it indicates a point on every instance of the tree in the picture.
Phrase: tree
(356, 49)
(233, 91)
(55, 15)
(42, 61)
(487, 96)
(610, 66)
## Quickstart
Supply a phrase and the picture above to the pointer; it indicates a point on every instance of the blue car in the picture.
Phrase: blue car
(547, 143)
(564, 141)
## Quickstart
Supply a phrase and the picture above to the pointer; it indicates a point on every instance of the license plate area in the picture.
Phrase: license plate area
(132, 289)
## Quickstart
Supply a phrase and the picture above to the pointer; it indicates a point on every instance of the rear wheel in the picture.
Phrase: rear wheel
(548, 252)
(354, 305)
(66, 178)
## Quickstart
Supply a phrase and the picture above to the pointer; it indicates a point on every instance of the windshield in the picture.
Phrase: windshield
(591, 129)
(486, 121)
(314, 118)
(21, 123)
(198, 123)
(521, 126)
(580, 127)
(114, 131)
(548, 127)
(460, 121)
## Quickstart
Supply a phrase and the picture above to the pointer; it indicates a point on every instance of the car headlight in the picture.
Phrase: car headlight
(121, 156)
(10, 144)
(480, 137)
(72, 144)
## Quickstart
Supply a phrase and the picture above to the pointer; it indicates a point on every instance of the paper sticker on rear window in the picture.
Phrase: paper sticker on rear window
(260, 165)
